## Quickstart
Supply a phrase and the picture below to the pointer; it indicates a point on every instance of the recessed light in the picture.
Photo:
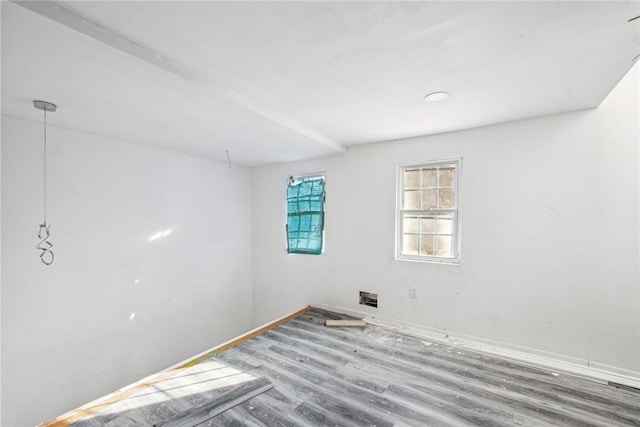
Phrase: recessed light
(436, 97)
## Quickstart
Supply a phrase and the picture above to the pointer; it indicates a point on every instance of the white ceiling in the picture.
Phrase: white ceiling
(280, 81)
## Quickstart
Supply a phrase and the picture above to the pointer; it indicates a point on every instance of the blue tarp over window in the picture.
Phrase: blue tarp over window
(305, 215)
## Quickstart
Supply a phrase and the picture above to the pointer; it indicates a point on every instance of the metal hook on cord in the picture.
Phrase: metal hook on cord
(46, 256)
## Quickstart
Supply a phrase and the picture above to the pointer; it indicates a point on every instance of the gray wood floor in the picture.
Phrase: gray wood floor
(375, 377)
(372, 376)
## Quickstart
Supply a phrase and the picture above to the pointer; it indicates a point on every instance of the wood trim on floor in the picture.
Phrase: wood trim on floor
(93, 407)
(246, 337)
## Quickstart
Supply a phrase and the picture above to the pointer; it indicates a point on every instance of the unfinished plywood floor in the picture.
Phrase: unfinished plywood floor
(375, 377)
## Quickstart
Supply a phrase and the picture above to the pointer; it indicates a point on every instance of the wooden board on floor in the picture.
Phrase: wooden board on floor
(222, 403)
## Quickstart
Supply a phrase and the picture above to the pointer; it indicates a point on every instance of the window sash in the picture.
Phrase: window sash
(432, 233)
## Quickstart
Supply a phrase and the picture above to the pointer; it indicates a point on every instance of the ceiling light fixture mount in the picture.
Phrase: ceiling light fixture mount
(436, 97)
(45, 106)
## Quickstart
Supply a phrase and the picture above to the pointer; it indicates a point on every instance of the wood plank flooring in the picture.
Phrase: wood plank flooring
(375, 377)
(346, 376)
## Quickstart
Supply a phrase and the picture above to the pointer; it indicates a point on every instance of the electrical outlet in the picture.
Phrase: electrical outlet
(413, 292)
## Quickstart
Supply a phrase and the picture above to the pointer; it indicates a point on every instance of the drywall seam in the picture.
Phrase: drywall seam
(559, 363)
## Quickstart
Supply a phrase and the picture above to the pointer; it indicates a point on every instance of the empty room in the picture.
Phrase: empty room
(320, 213)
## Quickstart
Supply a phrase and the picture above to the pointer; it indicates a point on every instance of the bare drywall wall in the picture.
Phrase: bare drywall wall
(549, 234)
(117, 304)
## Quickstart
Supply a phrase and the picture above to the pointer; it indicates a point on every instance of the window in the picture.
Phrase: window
(305, 214)
(428, 227)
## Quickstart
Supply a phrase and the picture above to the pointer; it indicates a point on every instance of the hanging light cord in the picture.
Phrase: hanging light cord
(45, 166)
(45, 246)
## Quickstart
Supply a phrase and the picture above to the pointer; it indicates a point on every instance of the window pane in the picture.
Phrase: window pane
(427, 224)
(426, 245)
(316, 225)
(316, 203)
(304, 206)
(429, 178)
(305, 222)
(411, 200)
(447, 177)
(314, 244)
(444, 224)
(447, 198)
(292, 192)
(317, 190)
(410, 224)
(428, 199)
(411, 178)
(410, 244)
(294, 223)
(443, 246)
(304, 189)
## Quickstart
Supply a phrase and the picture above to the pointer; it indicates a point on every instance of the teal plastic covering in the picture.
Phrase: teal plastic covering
(305, 215)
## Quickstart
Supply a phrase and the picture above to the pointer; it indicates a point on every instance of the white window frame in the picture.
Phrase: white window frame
(456, 223)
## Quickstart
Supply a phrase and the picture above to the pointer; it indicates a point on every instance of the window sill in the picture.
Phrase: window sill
(446, 261)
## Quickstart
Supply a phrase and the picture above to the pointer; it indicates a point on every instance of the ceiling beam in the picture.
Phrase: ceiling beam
(58, 13)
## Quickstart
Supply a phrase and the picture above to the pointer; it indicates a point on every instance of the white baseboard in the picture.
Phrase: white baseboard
(560, 363)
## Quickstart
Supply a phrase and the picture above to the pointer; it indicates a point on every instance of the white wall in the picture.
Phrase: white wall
(67, 337)
(549, 234)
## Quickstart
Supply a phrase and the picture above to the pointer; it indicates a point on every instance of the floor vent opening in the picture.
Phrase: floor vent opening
(368, 298)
